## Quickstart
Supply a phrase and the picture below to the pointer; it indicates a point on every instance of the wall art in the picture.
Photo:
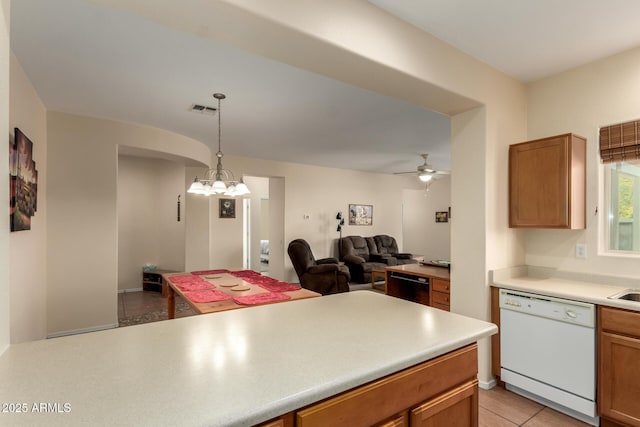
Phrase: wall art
(360, 214)
(227, 208)
(23, 182)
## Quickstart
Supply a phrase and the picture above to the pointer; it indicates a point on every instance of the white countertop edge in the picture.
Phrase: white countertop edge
(594, 292)
(292, 403)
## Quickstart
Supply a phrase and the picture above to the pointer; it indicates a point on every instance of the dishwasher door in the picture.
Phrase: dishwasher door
(552, 352)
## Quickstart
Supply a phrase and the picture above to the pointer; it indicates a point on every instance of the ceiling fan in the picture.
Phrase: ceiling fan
(425, 171)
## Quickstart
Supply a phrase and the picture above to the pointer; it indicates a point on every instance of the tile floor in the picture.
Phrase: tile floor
(498, 407)
(147, 306)
(501, 408)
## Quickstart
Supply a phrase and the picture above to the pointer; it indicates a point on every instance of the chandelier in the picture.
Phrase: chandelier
(219, 180)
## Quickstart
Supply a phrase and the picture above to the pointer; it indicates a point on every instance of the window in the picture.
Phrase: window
(623, 190)
(620, 151)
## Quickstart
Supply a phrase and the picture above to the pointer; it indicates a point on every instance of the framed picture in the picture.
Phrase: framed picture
(23, 182)
(442, 216)
(227, 208)
(360, 214)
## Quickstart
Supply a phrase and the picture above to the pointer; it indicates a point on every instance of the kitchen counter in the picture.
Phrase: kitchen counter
(239, 367)
(574, 286)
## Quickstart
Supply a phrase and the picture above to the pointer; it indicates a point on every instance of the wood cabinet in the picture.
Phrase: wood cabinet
(442, 391)
(619, 366)
(424, 284)
(547, 183)
(440, 294)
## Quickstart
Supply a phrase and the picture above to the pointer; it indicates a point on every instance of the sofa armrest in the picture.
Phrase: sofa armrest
(330, 260)
(403, 256)
(322, 268)
(353, 259)
(380, 258)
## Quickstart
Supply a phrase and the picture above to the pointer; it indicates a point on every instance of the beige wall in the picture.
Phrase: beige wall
(27, 255)
(580, 101)
(82, 247)
(318, 192)
(148, 229)
(422, 235)
(5, 53)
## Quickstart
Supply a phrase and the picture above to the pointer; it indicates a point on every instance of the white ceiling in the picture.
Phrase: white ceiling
(89, 60)
(527, 39)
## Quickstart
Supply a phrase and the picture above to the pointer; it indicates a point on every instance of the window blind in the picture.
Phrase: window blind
(620, 142)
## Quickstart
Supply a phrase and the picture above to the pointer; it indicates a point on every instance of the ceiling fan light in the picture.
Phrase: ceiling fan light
(425, 177)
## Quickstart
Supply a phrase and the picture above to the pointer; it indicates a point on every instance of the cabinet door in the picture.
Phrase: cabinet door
(620, 378)
(440, 300)
(547, 183)
(457, 408)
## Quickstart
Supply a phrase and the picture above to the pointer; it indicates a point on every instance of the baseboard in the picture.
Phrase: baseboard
(82, 331)
(122, 291)
(487, 385)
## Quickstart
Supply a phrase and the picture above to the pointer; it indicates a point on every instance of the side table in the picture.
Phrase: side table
(379, 274)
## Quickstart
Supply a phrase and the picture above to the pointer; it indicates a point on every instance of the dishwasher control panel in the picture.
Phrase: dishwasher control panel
(576, 312)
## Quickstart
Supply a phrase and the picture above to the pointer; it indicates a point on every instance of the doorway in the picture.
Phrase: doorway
(263, 228)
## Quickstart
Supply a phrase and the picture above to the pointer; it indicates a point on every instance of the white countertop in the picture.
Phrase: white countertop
(576, 290)
(238, 367)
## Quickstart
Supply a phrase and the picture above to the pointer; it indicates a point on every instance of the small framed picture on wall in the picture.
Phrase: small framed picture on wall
(442, 216)
(227, 208)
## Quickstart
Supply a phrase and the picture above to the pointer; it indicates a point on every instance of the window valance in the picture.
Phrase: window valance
(620, 142)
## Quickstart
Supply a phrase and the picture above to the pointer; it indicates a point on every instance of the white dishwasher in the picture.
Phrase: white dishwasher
(548, 351)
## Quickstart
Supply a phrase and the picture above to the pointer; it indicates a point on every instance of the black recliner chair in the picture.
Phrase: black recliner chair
(324, 276)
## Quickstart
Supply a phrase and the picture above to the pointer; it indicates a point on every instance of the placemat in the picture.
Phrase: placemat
(245, 273)
(202, 272)
(207, 296)
(185, 278)
(264, 298)
(201, 286)
(279, 286)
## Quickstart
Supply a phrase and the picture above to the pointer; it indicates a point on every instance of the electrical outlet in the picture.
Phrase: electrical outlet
(581, 250)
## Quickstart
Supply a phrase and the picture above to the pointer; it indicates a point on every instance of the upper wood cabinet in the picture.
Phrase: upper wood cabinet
(547, 183)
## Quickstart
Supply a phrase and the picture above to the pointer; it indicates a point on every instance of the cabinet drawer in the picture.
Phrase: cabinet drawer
(620, 321)
(444, 307)
(440, 285)
(381, 399)
(440, 298)
(454, 408)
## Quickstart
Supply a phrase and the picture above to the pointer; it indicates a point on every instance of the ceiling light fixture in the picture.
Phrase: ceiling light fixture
(219, 180)
(425, 176)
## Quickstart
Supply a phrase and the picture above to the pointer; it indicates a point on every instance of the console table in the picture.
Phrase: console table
(424, 284)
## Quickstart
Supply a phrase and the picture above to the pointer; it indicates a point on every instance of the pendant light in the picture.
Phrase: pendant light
(219, 180)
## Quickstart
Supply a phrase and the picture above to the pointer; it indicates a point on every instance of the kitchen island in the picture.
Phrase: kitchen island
(238, 367)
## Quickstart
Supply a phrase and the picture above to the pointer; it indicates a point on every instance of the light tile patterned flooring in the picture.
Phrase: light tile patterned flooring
(498, 407)
(502, 408)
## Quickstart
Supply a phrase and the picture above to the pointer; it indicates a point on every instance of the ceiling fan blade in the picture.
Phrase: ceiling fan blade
(404, 173)
(443, 172)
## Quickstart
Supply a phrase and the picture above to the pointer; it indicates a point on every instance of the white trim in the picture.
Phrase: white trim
(122, 291)
(487, 385)
(82, 331)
